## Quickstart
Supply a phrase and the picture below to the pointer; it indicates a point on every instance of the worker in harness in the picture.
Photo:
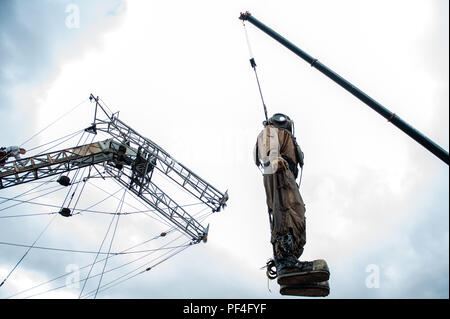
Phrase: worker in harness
(279, 155)
(10, 151)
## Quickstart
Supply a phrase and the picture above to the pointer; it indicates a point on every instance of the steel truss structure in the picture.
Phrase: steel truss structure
(131, 159)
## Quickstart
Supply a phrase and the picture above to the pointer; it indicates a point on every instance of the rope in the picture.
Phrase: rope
(301, 175)
(81, 179)
(119, 209)
(271, 270)
(253, 65)
(125, 251)
(65, 114)
(69, 136)
(90, 270)
(25, 201)
(26, 253)
(148, 268)
(75, 176)
(110, 270)
(69, 273)
(28, 191)
(87, 251)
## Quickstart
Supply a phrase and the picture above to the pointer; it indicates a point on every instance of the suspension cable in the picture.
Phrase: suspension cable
(52, 123)
(69, 273)
(119, 210)
(125, 251)
(96, 275)
(147, 267)
(253, 65)
(26, 253)
(103, 241)
(68, 136)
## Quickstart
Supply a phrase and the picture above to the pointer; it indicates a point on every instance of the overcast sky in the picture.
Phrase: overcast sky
(377, 202)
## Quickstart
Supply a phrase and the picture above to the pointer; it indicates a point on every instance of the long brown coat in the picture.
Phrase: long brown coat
(274, 148)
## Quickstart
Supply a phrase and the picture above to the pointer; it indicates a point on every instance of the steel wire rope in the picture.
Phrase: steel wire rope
(93, 252)
(104, 238)
(52, 123)
(86, 266)
(84, 210)
(157, 218)
(105, 104)
(84, 251)
(96, 275)
(111, 242)
(26, 201)
(72, 135)
(67, 139)
(75, 175)
(153, 251)
(52, 220)
(148, 267)
(81, 178)
(139, 200)
(27, 215)
(163, 247)
(26, 253)
(30, 190)
(253, 64)
(141, 272)
(68, 136)
(33, 190)
(168, 179)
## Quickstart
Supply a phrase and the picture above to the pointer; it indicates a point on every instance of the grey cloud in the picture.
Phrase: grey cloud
(35, 42)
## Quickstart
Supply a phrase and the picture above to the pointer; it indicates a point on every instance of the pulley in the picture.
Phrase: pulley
(65, 212)
(64, 180)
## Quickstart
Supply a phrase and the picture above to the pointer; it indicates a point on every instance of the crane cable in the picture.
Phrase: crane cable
(119, 209)
(253, 65)
(26, 253)
(150, 251)
(52, 123)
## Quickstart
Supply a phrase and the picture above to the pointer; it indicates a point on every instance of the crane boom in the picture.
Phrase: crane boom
(380, 109)
(54, 163)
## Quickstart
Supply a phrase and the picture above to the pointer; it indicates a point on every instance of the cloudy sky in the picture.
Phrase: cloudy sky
(178, 71)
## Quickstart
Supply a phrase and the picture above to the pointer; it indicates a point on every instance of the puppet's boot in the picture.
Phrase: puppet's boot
(315, 289)
(291, 271)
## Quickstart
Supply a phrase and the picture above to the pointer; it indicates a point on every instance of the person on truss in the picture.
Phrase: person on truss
(279, 155)
(10, 151)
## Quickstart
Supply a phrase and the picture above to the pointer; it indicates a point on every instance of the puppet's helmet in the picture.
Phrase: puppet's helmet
(280, 120)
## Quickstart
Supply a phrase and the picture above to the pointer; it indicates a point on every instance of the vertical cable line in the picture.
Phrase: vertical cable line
(29, 200)
(115, 283)
(67, 137)
(201, 218)
(98, 253)
(67, 274)
(119, 210)
(59, 118)
(75, 176)
(28, 191)
(28, 250)
(78, 184)
(253, 65)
